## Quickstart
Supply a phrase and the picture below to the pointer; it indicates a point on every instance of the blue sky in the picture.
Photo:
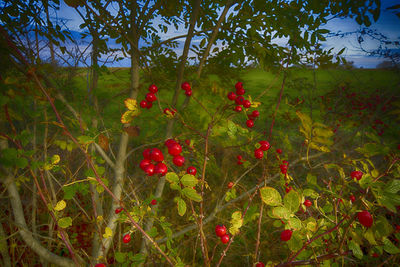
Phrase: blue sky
(388, 24)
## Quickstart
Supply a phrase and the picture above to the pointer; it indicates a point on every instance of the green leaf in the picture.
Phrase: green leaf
(181, 206)
(137, 258)
(236, 222)
(381, 227)
(369, 235)
(355, 247)
(21, 162)
(393, 186)
(232, 127)
(85, 140)
(192, 194)
(310, 193)
(389, 247)
(153, 232)
(294, 223)
(189, 180)
(281, 212)
(292, 201)
(175, 186)
(65, 222)
(311, 179)
(172, 177)
(373, 149)
(120, 257)
(270, 196)
(295, 243)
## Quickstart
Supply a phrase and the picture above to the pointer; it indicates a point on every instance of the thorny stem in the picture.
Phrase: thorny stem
(313, 239)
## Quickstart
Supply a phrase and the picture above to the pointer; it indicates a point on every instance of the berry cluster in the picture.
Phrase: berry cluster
(240, 160)
(186, 86)
(152, 162)
(175, 149)
(150, 97)
(169, 111)
(220, 231)
(240, 101)
(259, 152)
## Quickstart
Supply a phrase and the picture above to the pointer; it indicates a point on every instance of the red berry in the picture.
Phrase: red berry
(143, 104)
(147, 153)
(149, 105)
(231, 96)
(100, 265)
(118, 210)
(307, 203)
(239, 157)
(161, 169)
(365, 218)
(143, 164)
(238, 109)
(225, 239)
(286, 235)
(169, 142)
(279, 151)
(238, 85)
(352, 198)
(258, 153)
(185, 86)
(285, 162)
(150, 97)
(260, 264)
(167, 111)
(149, 170)
(174, 149)
(375, 255)
(240, 91)
(283, 168)
(239, 100)
(153, 89)
(246, 103)
(288, 189)
(250, 123)
(153, 202)
(187, 141)
(191, 170)
(356, 174)
(178, 160)
(255, 113)
(264, 145)
(220, 230)
(126, 238)
(157, 155)
(230, 185)
(188, 92)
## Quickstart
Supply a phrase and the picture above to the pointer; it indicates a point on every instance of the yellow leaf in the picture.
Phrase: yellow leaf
(254, 104)
(108, 233)
(60, 205)
(99, 218)
(375, 173)
(55, 159)
(127, 117)
(319, 148)
(322, 132)
(131, 104)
